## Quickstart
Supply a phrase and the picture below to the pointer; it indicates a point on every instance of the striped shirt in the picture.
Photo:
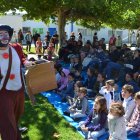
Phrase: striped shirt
(135, 120)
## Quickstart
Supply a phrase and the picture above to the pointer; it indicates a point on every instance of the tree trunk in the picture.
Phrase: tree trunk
(61, 26)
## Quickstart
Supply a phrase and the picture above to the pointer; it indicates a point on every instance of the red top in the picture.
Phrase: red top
(39, 44)
(19, 50)
(51, 47)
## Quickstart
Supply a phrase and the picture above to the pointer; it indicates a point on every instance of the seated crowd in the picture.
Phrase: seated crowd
(110, 78)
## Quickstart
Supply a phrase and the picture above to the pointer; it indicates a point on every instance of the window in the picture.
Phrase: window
(83, 31)
(38, 30)
(26, 29)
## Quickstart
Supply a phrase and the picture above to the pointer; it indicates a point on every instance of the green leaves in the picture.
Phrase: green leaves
(90, 13)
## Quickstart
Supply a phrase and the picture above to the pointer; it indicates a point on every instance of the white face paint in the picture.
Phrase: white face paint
(4, 38)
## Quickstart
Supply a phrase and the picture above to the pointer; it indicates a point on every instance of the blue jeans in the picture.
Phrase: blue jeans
(94, 135)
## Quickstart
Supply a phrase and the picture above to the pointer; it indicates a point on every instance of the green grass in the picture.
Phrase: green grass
(32, 49)
(43, 121)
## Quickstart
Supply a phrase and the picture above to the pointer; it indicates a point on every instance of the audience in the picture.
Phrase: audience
(93, 70)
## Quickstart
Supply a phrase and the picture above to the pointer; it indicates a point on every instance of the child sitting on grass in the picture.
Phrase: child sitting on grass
(71, 57)
(78, 75)
(63, 81)
(69, 91)
(96, 123)
(77, 86)
(117, 93)
(108, 91)
(100, 82)
(90, 81)
(80, 108)
(116, 122)
(128, 103)
(77, 63)
(133, 126)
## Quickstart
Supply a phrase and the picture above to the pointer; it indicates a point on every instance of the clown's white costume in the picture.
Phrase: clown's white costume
(11, 87)
(14, 82)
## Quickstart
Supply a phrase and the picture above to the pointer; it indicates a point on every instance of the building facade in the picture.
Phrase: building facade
(16, 21)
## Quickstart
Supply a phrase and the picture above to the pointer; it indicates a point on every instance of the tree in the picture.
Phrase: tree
(62, 9)
(89, 13)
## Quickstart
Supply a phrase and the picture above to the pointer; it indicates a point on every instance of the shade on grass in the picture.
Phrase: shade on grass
(43, 121)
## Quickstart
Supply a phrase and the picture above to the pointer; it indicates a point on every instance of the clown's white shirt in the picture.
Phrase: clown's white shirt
(13, 83)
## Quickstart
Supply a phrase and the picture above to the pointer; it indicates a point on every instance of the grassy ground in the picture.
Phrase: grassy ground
(43, 121)
(32, 49)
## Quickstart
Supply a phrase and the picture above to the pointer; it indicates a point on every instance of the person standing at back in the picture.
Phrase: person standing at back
(28, 38)
(112, 42)
(39, 47)
(14, 38)
(48, 36)
(95, 40)
(55, 37)
(35, 37)
(118, 42)
(20, 37)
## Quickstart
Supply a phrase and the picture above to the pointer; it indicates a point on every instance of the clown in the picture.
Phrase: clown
(11, 87)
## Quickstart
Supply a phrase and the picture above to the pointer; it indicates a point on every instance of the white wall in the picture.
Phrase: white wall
(38, 24)
(13, 21)
(17, 23)
(87, 33)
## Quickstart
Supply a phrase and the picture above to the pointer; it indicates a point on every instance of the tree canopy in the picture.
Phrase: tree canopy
(89, 13)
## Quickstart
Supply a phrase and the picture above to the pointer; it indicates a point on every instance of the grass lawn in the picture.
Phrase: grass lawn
(43, 121)
(32, 49)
